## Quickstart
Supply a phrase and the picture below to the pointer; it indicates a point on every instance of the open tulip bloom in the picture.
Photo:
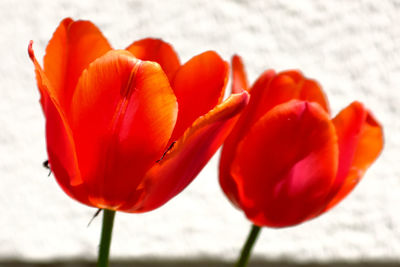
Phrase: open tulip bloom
(127, 130)
(286, 161)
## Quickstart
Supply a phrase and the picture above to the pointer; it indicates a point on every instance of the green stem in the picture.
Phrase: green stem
(105, 241)
(246, 250)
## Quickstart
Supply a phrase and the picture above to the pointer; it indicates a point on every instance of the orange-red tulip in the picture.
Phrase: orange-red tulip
(129, 129)
(286, 161)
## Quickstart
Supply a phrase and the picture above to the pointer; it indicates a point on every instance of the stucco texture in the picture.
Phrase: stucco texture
(351, 47)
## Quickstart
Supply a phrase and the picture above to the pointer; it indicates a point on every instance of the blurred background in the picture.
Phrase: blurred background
(351, 47)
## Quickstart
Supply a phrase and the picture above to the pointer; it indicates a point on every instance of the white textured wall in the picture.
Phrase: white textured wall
(351, 47)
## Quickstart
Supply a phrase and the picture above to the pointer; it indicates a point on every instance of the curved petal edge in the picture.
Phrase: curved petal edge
(189, 154)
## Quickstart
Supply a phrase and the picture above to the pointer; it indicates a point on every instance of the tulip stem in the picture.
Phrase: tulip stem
(246, 250)
(105, 240)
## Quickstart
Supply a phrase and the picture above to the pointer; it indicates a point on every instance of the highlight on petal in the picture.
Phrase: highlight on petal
(360, 139)
(122, 116)
(199, 86)
(188, 156)
(74, 45)
(239, 77)
(158, 51)
(284, 167)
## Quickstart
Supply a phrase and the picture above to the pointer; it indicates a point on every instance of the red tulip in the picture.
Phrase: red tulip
(129, 129)
(286, 161)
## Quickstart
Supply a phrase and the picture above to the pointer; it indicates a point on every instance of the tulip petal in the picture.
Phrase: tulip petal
(244, 122)
(239, 77)
(158, 51)
(360, 139)
(41, 78)
(269, 90)
(199, 86)
(74, 45)
(189, 155)
(311, 91)
(60, 144)
(285, 165)
(289, 85)
(123, 114)
(62, 153)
